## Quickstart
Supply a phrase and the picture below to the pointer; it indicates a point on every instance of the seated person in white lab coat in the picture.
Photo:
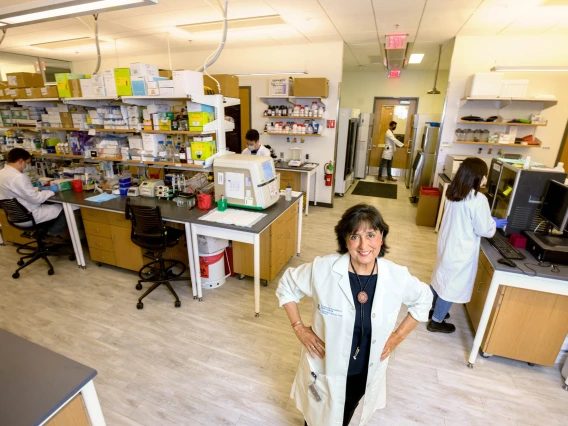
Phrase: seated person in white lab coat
(253, 144)
(388, 153)
(356, 297)
(15, 184)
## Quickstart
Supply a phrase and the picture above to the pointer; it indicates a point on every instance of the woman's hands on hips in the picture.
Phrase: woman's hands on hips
(314, 345)
(392, 342)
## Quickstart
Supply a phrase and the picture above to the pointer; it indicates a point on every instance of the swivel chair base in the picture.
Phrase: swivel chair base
(159, 272)
(36, 253)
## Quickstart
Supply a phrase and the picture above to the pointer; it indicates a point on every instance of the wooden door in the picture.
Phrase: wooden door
(384, 111)
(292, 236)
(246, 121)
(128, 255)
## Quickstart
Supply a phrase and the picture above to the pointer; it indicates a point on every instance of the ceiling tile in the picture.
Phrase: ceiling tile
(360, 37)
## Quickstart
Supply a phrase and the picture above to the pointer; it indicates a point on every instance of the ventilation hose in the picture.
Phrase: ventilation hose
(97, 43)
(3, 35)
(217, 53)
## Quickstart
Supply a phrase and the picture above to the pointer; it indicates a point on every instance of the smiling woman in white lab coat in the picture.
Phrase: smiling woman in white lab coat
(356, 297)
(467, 218)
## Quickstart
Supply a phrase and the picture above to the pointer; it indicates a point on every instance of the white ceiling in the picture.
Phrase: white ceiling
(361, 24)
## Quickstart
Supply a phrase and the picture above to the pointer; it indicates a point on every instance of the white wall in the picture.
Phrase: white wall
(319, 59)
(479, 54)
(359, 88)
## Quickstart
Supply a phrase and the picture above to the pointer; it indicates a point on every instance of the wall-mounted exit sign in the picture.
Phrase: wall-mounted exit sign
(394, 73)
(396, 41)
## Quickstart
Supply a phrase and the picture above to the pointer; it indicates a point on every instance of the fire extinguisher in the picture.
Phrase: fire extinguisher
(328, 170)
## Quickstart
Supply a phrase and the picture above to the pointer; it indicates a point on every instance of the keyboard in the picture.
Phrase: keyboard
(503, 246)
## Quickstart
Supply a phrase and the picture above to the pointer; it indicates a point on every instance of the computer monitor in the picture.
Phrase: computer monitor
(555, 205)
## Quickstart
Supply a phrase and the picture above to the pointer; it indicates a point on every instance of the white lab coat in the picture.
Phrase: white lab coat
(14, 184)
(463, 225)
(326, 281)
(261, 151)
(390, 145)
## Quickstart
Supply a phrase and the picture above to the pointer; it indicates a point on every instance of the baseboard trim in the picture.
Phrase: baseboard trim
(320, 204)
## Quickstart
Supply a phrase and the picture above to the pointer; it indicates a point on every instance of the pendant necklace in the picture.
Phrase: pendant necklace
(362, 298)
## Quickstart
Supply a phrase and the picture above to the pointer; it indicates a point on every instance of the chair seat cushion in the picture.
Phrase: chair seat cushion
(156, 243)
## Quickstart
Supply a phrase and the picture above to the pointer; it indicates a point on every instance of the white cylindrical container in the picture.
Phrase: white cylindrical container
(288, 196)
(212, 269)
(527, 163)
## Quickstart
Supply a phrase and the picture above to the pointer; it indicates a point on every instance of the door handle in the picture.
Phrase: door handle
(409, 150)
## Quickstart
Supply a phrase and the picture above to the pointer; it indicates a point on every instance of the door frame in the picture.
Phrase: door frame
(395, 172)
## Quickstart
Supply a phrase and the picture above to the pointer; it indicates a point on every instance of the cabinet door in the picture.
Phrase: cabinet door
(294, 179)
(530, 326)
(480, 287)
(243, 260)
(128, 255)
(292, 236)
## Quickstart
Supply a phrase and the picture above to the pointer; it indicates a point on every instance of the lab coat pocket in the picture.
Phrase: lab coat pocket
(316, 366)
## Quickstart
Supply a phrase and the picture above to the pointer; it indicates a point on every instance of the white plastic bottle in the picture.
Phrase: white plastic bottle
(320, 111)
(527, 164)
(288, 193)
(162, 155)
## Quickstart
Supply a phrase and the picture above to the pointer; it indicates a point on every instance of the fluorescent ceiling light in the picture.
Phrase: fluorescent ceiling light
(416, 58)
(47, 10)
(531, 69)
(272, 73)
(234, 24)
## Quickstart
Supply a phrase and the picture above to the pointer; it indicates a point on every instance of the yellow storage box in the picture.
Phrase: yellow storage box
(203, 150)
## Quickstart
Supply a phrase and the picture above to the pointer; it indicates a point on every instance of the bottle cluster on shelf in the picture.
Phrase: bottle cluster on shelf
(309, 127)
(313, 111)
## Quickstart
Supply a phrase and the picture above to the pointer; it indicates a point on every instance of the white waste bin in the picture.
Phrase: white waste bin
(565, 374)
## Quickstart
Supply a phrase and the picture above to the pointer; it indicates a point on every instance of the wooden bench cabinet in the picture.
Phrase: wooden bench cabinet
(278, 243)
(525, 325)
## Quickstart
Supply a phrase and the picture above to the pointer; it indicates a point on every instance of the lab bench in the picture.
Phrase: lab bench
(108, 235)
(515, 313)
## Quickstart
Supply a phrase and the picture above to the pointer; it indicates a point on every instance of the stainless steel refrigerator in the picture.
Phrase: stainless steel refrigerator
(423, 165)
(362, 150)
(411, 151)
(347, 128)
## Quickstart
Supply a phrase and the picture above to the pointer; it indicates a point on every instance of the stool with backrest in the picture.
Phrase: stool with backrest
(20, 218)
(150, 233)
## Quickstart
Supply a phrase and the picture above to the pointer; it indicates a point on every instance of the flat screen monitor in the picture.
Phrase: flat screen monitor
(555, 205)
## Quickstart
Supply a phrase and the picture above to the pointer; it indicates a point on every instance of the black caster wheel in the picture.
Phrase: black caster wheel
(530, 364)
(201, 299)
(15, 275)
(177, 304)
(20, 262)
(138, 286)
(264, 283)
(469, 365)
(565, 387)
(50, 272)
(341, 195)
(72, 258)
(240, 276)
(139, 305)
(194, 297)
(483, 354)
(257, 314)
(99, 264)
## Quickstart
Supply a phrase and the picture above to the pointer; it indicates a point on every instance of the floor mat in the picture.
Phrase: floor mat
(372, 189)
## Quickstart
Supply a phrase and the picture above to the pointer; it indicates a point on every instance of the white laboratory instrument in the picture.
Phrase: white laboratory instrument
(148, 187)
(248, 181)
(133, 191)
(364, 144)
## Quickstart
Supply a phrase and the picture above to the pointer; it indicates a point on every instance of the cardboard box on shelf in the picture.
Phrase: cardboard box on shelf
(24, 79)
(75, 84)
(197, 120)
(49, 92)
(187, 82)
(138, 86)
(150, 142)
(167, 91)
(123, 83)
(18, 93)
(202, 150)
(229, 84)
(145, 71)
(33, 92)
(283, 86)
(165, 73)
(66, 119)
(63, 84)
(162, 84)
(98, 84)
(110, 83)
(156, 108)
(317, 87)
(86, 87)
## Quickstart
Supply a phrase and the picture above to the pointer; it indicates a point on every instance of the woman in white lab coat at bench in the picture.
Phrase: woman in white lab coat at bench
(356, 297)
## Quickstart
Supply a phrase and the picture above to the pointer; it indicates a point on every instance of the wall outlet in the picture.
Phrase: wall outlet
(307, 156)
(281, 155)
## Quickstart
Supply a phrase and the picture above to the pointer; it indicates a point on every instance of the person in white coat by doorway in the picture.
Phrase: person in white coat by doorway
(467, 218)
(388, 152)
(15, 184)
(254, 147)
(356, 297)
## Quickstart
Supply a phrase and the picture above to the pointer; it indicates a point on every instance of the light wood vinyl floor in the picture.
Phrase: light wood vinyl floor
(214, 363)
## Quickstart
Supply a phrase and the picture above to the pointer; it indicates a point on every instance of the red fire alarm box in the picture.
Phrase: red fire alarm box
(330, 124)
